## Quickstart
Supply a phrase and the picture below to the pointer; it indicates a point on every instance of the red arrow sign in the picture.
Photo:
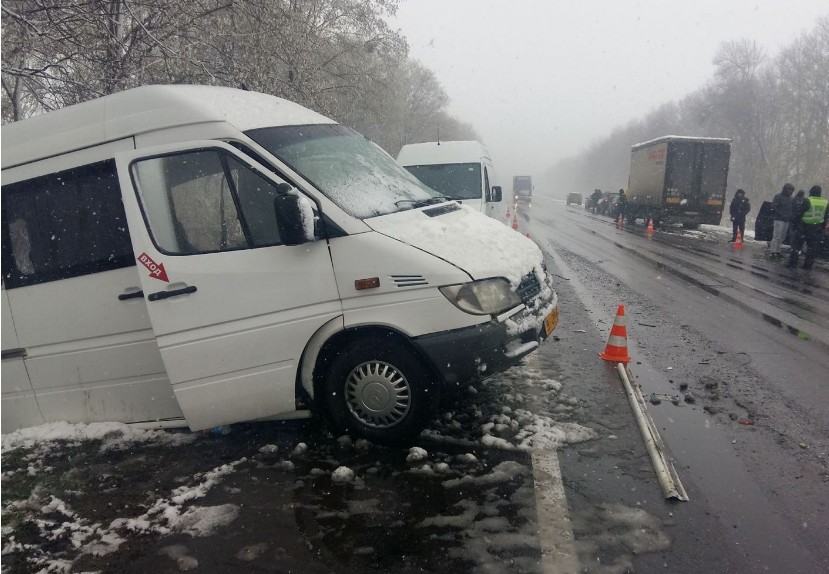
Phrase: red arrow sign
(156, 269)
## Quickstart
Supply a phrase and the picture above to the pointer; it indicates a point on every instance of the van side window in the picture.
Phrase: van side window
(64, 225)
(487, 189)
(205, 201)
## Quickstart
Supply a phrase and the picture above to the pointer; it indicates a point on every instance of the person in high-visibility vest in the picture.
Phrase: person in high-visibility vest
(813, 216)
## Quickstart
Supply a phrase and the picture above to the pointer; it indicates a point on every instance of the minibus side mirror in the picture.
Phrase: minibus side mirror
(496, 195)
(294, 219)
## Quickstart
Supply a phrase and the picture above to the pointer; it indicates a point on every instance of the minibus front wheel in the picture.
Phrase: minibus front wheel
(383, 394)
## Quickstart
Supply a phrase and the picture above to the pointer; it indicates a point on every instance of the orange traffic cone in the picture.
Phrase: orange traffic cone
(620, 223)
(514, 222)
(650, 225)
(508, 213)
(616, 349)
(738, 244)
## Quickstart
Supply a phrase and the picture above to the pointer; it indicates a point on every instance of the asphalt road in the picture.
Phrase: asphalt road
(747, 339)
(728, 348)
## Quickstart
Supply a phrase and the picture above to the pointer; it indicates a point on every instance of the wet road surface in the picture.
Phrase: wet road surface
(540, 469)
(752, 445)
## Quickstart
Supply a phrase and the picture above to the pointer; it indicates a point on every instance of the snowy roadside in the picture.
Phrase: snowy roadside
(74, 494)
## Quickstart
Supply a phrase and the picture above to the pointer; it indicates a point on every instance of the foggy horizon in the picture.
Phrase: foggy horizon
(541, 83)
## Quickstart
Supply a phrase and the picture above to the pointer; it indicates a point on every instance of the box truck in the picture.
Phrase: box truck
(678, 179)
(198, 256)
(522, 190)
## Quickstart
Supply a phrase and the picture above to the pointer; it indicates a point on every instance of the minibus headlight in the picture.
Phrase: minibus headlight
(484, 297)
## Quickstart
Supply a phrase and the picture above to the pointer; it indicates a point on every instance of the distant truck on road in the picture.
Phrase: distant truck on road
(678, 179)
(522, 190)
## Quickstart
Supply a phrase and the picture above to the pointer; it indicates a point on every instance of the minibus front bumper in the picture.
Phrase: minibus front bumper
(483, 350)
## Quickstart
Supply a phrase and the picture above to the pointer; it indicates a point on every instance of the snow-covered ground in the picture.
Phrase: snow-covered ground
(76, 497)
(716, 232)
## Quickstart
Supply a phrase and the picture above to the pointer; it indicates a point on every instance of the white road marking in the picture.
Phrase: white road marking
(558, 551)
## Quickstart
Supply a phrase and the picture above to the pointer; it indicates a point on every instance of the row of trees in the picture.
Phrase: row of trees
(775, 109)
(339, 57)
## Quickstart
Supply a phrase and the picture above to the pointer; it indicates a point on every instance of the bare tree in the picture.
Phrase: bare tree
(776, 111)
(803, 70)
(339, 57)
(60, 53)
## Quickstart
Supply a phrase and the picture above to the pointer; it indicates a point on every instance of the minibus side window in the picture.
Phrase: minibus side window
(64, 225)
(205, 201)
(256, 200)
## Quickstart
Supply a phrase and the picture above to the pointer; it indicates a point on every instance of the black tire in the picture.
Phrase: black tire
(406, 394)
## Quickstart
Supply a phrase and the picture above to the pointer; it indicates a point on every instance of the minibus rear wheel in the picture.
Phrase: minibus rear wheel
(383, 394)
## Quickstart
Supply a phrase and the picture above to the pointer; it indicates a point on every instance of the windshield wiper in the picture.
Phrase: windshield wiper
(415, 203)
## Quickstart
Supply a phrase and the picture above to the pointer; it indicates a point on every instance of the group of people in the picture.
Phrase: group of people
(605, 205)
(810, 220)
(804, 218)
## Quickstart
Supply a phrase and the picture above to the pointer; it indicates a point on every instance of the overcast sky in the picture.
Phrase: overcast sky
(541, 79)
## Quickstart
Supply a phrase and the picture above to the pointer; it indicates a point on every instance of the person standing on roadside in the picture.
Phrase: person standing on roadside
(622, 204)
(797, 208)
(781, 207)
(813, 215)
(594, 200)
(738, 209)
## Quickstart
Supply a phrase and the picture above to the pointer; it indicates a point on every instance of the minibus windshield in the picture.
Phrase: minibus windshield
(454, 180)
(349, 169)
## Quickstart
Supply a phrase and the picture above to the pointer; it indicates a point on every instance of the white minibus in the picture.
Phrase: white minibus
(459, 170)
(198, 256)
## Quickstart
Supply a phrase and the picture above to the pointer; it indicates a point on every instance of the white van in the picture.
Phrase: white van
(189, 255)
(459, 170)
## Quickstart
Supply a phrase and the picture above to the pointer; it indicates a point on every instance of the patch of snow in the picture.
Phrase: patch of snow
(480, 245)
(369, 506)
(469, 510)
(107, 544)
(503, 472)
(425, 470)
(518, 411)
(201, 521)
(209, 480)
(252, 552)
(113, 435)
(416, 454)
(342, 474)
(179, 553)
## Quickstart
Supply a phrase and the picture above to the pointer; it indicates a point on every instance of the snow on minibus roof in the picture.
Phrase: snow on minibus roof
(145, 109)
(680, 138)
(436, 153)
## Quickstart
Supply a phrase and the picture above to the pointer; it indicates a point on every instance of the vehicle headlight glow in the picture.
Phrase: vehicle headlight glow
(484, 297)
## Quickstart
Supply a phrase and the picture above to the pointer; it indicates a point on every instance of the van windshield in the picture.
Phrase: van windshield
(349, 169)
(454, 180)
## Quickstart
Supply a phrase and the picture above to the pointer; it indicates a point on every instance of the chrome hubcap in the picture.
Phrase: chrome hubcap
(377, 394)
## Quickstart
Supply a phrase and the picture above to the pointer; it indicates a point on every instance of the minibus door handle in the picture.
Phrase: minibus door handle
(158, 295)
(138, 294)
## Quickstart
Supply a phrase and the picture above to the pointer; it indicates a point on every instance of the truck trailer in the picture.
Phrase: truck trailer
(678, 179)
